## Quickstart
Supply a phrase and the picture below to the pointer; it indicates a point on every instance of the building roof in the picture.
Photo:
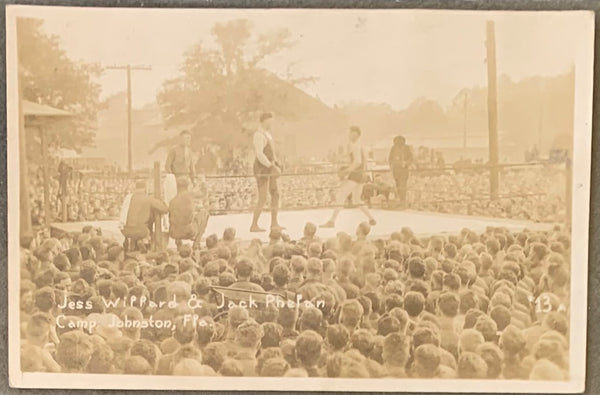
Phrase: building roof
(31, 109)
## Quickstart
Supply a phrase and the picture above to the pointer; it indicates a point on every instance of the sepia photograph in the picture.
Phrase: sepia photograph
(261, 199)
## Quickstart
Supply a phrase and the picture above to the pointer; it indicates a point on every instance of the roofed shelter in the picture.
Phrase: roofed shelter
(34, 115)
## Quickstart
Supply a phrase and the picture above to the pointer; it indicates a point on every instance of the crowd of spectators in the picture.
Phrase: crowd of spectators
(490, 305)
(535, 193)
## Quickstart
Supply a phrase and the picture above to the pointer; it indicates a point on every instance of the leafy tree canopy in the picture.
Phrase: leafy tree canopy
(50, 77)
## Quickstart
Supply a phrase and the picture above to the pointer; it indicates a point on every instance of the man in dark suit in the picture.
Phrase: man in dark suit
(400, 159)
(180, 161)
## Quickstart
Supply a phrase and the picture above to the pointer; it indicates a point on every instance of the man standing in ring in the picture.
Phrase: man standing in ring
(400, 160)
(353, 179)
(266, 171)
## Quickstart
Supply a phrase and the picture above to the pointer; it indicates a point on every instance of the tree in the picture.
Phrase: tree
(220, 91)
(49, 77)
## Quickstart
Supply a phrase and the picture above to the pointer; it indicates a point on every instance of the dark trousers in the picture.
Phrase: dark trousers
(401, 179)
(266, 183)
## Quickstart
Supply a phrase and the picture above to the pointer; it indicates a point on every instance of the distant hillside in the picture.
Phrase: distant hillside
(111, 135)
(535, 111)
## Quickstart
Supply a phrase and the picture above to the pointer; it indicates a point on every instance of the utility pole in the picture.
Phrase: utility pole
(492, 109)
(540, 125)
(465, 121)
(129, 68)
(25, 227)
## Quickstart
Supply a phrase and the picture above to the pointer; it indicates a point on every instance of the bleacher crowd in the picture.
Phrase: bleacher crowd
(535, 194)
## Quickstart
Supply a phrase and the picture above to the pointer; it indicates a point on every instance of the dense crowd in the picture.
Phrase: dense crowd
(485, 306)
(87, 198)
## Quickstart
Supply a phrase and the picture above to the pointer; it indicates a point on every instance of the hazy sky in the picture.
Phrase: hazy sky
(373, 56)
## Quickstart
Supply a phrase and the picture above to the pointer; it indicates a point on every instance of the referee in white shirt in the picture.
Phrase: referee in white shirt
(266, 171)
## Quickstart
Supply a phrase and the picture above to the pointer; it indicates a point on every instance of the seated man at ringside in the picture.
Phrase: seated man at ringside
(185, 222)
(140, 214)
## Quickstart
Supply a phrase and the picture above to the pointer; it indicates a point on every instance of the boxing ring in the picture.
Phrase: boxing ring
(421, 222)
(388, 221)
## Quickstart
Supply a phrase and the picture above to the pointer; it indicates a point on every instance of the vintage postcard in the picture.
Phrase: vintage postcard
(296, 199)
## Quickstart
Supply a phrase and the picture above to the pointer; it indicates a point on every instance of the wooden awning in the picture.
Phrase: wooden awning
(31, 109)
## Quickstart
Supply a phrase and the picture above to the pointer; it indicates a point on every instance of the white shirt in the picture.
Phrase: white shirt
(260, 140)
(355, 151)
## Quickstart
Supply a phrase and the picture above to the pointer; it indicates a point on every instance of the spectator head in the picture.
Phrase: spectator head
(315, 250)
(231, 367)
(236, 316)
(287, 317)
(471, 366)
(212, 241)
(493, 357)
(101, 359)
(414, 303)
(351, 313)
(501, 316)
(512, 340)
(298, 264)
(363, 229)
(74, 350)
(205, 331)
(448, 304)
(363, 341)
(249, 334)
(468, 300)
(416, 267)
(451, 282)
(394, 301)
(311, 319)
(147, 350)
(271, 334)
(396, 349)
(244, 269)
(62, 263)
(557, 322)
(471, 318)
(136, 364)
(426, 335)
(281, 275)
(308, 348)
(229, 234)
(388, 324)
(44, 299)
(314, 269)
(546, 370)
(310, 230)
(427, 361)
(189, 367)
(469, 340)
(214, 354)
(338, 337)
(488, 328)
(274, 367)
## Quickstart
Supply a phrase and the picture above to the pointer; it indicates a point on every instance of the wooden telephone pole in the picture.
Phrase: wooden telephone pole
(465, 120)
(128, 68)
(492, 109)
(24, 208)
